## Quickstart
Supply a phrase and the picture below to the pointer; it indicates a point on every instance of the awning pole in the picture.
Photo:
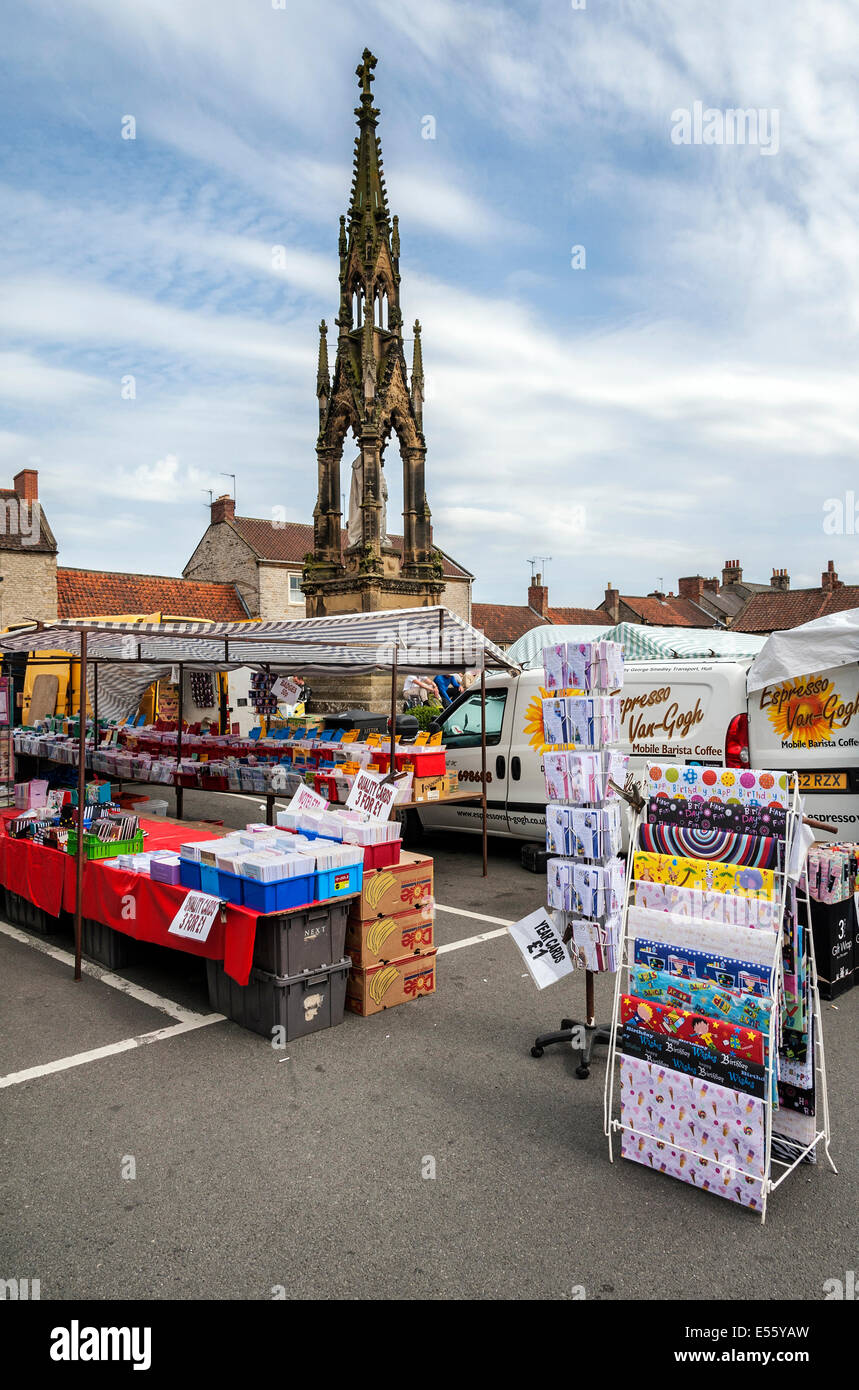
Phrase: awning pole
(483, 765)
(392, 768)
(180, 793)
(79, 848)
(94, 706)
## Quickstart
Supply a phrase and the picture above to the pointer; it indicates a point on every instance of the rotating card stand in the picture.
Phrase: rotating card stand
(572, 1030)
(800, 1153)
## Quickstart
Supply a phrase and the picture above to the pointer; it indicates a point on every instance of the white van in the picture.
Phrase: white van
(686, 711)
(683, 711)
(804, 714)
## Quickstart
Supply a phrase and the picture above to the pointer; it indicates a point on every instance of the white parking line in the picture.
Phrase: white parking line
(472, 940)
(106, 977)
(96, 1054)
(478, 916)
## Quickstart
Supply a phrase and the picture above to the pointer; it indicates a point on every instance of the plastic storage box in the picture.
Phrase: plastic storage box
(339, 883)
(22, 913)
(189, 873)
(108, 947)
(280, 895)
(304, 940)
(300, 1004)
(383, 855)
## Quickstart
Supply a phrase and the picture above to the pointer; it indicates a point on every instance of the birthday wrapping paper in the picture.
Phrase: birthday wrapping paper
(728, 1040)
(697, 814)
(682, 872)
(722, 846)
(727, 784)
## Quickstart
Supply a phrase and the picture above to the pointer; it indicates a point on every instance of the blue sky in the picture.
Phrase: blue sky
(690, 395)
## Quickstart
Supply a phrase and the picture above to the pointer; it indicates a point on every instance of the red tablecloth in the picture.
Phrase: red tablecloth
(131, 903)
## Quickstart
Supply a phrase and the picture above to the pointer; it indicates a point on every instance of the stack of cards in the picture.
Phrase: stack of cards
(583, 779)
(587, 890)
(580, 833)
(583, 666)
(581, 721)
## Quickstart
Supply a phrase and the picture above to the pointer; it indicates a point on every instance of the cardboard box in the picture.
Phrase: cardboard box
(390, 938)
(384, 986)
(430, 788)
(402, 887)
(834, 928)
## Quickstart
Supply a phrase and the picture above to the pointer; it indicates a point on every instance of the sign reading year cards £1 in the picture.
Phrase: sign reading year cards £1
(542, 949)
(195, 917)
(306, 799)
(370, 795)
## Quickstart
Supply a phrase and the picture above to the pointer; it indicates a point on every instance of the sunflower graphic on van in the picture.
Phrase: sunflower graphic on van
(534, 721)
(804, 712)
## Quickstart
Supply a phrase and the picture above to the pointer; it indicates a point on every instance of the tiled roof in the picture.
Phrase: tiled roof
(16, 531)
(503, 623)
(658, 612)
(97, 593)
(775, 611)
(563, 617)
(289, 542)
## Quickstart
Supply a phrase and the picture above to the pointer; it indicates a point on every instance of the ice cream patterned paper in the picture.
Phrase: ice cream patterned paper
(707, 1135)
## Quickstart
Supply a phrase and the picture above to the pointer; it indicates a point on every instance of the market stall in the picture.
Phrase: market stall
(119, 660)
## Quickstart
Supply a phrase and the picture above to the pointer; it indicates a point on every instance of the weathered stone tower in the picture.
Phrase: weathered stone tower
(371, 395)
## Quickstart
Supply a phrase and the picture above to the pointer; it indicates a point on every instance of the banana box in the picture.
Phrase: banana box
(390, 938)
(395, 982)
(402, 887)
(430, 788)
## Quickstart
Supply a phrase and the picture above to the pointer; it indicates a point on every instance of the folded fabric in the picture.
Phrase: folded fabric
(721, 846)
(695, 813)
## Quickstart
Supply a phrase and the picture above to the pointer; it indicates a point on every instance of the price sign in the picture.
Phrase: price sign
(542, 949)
(435, 739)
(195, 917)
(422, 738)
(374, 740)
(370, 795)
(289, 691)
(351, 736)
(309, 800)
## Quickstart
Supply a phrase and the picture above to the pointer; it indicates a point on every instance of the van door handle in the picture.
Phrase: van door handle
(516, 768)
(500, 768)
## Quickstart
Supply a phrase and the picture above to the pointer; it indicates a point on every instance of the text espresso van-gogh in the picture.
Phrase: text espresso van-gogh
(687, 711)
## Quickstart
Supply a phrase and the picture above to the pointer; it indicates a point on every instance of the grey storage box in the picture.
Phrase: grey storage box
(292, 942)
(106, 946)
(22, 913)
(299, 1004)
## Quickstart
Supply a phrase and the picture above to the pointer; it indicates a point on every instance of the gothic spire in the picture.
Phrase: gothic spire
(369, 198)
(323, 375)
(418, 374)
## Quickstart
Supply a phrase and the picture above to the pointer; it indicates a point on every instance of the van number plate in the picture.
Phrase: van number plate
(823, 781)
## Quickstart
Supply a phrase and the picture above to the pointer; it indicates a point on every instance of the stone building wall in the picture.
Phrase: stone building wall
(223, 557)
(29, 587)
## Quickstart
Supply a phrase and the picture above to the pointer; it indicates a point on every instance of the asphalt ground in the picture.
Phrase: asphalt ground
(303, 1169)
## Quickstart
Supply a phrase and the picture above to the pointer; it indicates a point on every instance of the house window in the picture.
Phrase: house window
(295, 594)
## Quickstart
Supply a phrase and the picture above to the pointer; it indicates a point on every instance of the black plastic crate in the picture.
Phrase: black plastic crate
(300, 1004)
(22, 913)
(106, 946)
(308, 939)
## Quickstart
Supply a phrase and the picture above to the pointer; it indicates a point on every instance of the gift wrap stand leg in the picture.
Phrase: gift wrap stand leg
(583, 1036)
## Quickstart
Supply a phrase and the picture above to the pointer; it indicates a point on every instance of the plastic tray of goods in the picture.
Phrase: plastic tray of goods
(426, 762)
(339, 883)
(305, 940)
(94, 848)
(284, 893)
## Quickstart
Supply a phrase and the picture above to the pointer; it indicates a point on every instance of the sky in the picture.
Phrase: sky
(680, 390)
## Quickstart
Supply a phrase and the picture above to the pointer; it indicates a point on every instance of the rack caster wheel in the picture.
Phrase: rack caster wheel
(583, 1073)
(567, 1023)
(536, 1051)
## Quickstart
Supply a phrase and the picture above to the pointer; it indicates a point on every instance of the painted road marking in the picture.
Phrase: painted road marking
(472, 940)
(478, 916)
(106, 977)
(96, 1054)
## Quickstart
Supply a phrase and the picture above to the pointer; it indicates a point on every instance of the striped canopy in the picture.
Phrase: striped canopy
(131, 656)
(642, 643)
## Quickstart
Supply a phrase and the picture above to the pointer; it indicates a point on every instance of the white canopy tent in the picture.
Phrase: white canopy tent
(643, 643)
(800, 651)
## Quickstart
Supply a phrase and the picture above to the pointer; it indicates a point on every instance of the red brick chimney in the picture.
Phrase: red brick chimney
(611, 603)
(780, 580)
(538, 596)
(691, 587)
(829, 579)
(26, 485)
(732, 573)
(223, 509)
(711, 586)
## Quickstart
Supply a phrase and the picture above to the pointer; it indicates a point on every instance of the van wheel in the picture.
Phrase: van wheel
(412, 829)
